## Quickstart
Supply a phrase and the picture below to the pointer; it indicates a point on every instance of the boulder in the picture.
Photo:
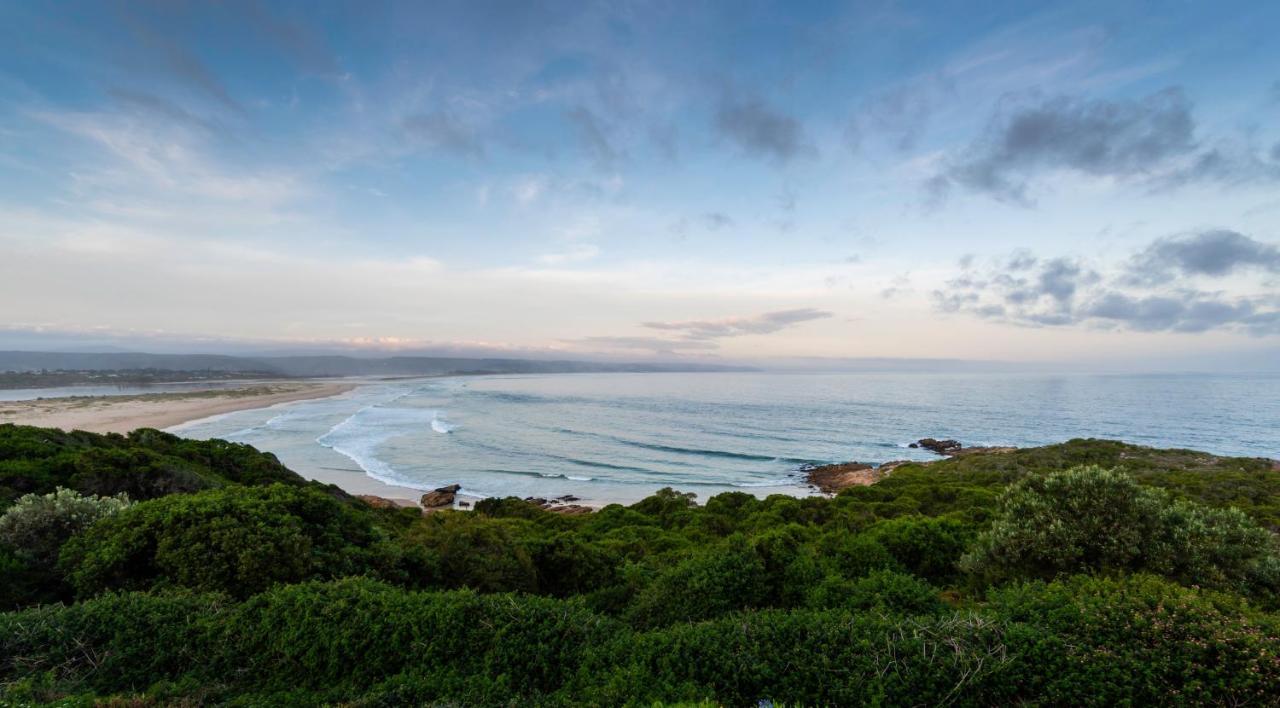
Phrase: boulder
(439, 498)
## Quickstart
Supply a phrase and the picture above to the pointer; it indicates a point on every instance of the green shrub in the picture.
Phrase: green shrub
(146, 464)
(237, 540)
(930, 548)
(37, 525)
(466, 551)
(704, 585)
(1138, 640)
(113, 643)
(882, 591)
(1093, 519)
(308, 635)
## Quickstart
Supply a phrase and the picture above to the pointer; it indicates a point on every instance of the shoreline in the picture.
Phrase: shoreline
(122, 414)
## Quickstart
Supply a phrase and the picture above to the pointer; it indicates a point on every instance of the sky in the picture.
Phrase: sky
(1092, 182)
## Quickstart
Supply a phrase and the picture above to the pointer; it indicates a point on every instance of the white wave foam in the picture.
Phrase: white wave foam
(440, 425)
(771, 483)
(359, 436)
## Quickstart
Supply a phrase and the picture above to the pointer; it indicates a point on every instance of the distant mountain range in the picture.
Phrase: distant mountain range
(328, 365)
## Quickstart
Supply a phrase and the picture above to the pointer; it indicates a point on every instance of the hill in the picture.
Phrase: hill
(1090, 572)
(321, 366)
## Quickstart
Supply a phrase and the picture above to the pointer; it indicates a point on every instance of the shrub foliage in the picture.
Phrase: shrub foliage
(1084, 573)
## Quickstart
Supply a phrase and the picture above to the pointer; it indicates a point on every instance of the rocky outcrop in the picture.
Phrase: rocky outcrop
(953, 448)
(376, 502)
(942, 447)
(830, 479)
(570, 509)
(440, 498)
(561, 505)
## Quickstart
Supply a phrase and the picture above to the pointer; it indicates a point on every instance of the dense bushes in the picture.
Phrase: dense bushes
(239, 541)
(37, 525)
(1139, 641)
(1093, 519)
(1078, 585)
(145, 464)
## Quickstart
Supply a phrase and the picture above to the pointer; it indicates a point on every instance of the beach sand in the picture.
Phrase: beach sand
(121, 414)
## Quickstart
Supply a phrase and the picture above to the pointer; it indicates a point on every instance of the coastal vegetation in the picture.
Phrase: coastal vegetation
(150, 569)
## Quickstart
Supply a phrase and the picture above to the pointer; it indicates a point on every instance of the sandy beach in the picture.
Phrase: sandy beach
(121, 414)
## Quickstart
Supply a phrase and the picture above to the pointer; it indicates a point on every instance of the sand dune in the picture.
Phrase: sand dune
(120, 414)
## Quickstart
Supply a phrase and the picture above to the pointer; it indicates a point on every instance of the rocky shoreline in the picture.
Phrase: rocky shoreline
(827, 479)
(831, 479)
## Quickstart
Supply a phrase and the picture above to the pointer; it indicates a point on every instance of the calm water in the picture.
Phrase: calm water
(619, 437)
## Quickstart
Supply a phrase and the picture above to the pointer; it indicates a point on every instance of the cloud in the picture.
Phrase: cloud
(577, 254)
(715, 220)
(1213, 253)
(900, 115)
(759, 129)
(440, 130)
(1150, 295)
(174, 57)
(161, 107)
(297, 41)
(657, 345)
(1189, 312)
(766, 323)
(1122, 138)
(592, 137)
(700, 335)
(1150, 140)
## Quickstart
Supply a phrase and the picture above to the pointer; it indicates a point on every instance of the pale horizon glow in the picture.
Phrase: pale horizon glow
(1095, 184)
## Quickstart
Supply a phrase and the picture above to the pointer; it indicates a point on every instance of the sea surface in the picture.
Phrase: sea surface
(620, 437)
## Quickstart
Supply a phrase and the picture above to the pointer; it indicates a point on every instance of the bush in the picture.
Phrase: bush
(115, 642)
(1138, 640)
(37, 526)
(1090, 519)
(928, 547)
(705, 585)
(883, 591)
(238, 540)
(146, 464)
(465, 551)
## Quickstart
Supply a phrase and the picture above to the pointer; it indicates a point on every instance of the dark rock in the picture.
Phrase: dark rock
(570, 509)
(441, 497)
(378, 502)
(941, 447)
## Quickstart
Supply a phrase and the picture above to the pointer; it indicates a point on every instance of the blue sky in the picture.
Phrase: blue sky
(1082, 182)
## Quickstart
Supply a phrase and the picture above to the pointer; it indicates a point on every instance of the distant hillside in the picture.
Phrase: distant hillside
(322, 365)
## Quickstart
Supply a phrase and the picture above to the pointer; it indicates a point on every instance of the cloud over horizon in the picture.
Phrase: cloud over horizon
(1152, 294)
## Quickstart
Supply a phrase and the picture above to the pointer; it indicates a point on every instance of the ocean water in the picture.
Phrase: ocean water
(620, 437)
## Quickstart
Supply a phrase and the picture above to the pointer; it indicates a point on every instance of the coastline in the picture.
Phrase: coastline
(121, 414)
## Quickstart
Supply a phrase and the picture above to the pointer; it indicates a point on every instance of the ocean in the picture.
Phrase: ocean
(620, 437)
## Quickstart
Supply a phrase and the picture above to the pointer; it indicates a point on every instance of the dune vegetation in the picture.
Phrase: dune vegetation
(151, 569)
